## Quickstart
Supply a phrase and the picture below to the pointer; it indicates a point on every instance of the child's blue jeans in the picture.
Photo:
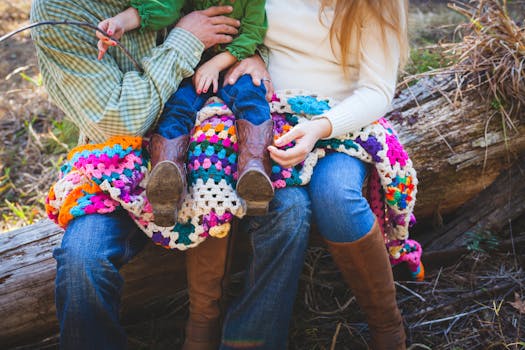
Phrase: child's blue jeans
(245, 100)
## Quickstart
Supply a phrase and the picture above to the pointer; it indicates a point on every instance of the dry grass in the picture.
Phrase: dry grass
(489, 61)
(29, 148)
(465, 306)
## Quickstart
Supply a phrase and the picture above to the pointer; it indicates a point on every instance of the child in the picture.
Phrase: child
(167, 183)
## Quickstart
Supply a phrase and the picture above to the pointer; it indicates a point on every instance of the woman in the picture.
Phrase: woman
(349, 50)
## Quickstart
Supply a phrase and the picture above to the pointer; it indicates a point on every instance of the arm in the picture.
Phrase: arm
(379, 60)
(101, 98)
(157, 14)
(251, 32)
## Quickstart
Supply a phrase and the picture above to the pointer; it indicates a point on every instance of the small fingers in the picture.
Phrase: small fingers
(200, 85)
(206, 85)
(215, 85)
(101, 49)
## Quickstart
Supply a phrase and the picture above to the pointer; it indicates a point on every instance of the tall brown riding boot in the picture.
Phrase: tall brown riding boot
(205, 269)
(365, 267)
(254, 166)
(167, 183)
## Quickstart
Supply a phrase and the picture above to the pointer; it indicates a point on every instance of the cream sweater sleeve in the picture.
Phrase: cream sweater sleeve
(379, 59)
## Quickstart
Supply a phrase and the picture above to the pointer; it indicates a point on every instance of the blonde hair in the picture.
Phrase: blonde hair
(348, 21)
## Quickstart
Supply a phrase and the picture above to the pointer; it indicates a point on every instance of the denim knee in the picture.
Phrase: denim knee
(246, 100)
(340, 210)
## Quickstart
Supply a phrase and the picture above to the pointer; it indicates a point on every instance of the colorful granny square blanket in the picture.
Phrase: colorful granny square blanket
(99, 178)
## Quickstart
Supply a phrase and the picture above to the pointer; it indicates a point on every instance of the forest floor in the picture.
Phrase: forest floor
(472, 303)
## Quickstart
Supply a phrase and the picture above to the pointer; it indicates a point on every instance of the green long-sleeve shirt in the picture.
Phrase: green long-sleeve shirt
(108, 97)
(158, 14)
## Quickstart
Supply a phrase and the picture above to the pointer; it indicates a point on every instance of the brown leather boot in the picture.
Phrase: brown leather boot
(365, 267)
(205, 269)
(167, 183)
(254, 166)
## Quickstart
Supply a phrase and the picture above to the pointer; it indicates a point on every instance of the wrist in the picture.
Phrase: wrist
(130, 19)
(322, 126)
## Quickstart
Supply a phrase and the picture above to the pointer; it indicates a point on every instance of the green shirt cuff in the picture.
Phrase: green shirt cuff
(187, 43)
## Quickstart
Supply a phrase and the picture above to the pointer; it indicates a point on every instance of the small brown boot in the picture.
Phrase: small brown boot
(366, 269)
(205, 269)
(167, 183)
(254, 166)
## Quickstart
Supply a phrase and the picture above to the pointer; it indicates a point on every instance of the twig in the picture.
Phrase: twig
(410, 291)
(74, 23)
(461, 297)
(334, 338)
(449, 318)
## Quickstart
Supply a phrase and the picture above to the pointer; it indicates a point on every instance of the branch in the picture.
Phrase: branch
(73, 23)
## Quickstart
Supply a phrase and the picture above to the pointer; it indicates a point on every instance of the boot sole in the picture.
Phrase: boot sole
(256, 189)
(164, 191)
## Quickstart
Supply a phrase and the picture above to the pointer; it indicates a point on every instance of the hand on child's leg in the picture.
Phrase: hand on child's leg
(206, 75)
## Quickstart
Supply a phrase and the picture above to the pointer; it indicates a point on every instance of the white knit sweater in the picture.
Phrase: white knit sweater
(301, 57)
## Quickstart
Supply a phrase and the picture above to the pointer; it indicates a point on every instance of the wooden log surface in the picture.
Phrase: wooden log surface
(27, 273)
(458, 150)
(458, 147)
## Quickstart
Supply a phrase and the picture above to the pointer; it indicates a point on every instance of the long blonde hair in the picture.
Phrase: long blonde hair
(348, 21)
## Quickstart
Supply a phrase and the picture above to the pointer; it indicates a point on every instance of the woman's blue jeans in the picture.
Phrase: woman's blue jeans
(340, 211)
(95, 247)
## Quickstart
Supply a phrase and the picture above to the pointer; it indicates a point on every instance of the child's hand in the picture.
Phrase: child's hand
(115, 28)
(206, 75)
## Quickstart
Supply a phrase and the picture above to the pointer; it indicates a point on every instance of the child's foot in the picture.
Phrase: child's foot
(164, 191)
(166, 186)
(256, 188)
(254, 166)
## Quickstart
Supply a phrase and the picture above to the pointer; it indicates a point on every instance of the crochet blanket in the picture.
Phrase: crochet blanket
(99, 178)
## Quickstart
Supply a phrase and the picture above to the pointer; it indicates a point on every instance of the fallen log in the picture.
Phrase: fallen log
(456, 149)
(27, 273)
(491, 211)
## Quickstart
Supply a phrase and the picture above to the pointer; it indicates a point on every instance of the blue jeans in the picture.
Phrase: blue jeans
(340, 210)
(88, 282)
(245, 100)
(260, 317)
(94, 247)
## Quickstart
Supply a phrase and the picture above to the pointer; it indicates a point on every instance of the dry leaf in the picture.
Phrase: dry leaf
(518, 304)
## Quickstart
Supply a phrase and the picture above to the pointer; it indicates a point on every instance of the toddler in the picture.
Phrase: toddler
(167, 184)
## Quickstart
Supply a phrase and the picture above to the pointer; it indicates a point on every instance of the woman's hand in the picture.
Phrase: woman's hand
(255, 67)
(305, 136)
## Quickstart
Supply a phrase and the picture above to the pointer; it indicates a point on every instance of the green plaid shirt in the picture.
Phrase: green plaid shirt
(108, 97)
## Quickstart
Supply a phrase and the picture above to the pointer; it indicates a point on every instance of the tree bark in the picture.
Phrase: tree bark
(458, 149)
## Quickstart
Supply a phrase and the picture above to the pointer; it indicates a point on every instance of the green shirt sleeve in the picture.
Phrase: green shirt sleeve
(252, 30)
(157, 14)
